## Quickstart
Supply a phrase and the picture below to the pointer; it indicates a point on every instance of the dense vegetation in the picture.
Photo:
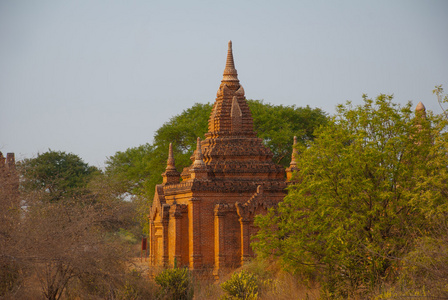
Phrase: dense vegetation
(137, 170)
(370, 203)
(366, 216)
(66, 235)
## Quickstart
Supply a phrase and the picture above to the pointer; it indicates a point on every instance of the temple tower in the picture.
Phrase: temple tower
(205, 220)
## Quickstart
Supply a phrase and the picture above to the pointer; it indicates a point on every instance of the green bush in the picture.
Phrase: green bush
(176, 284)
(241, 286)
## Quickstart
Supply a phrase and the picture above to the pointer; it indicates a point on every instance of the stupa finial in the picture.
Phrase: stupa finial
(420, 107)
(295, 154)
(420, 110)
(198, 161)
(170, 164)
(230, 63)
(230, 76)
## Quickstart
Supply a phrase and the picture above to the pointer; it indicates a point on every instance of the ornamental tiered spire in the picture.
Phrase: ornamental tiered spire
(231, 115)
(198, 168)
(293, 165)
(170, 175)
(170, 165)
(294, 155)
(420, 110)
(198, 162)
(230, 76)
(420, 107)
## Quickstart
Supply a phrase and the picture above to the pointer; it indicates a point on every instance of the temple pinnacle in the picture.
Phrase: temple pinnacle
(420, 110)
(230, 76)
(295, 154)
(420, 107)
(198, 162)
(170, 163)
(170, 176)
(229, 62)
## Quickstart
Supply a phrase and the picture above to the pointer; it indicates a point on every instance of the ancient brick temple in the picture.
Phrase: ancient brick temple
(203, 218)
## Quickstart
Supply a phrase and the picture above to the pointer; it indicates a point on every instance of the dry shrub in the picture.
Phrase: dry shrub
(423, 273)
(12, 270)
(274, 283)
(286, 286)
(426, 267)
(69, 248)
(204, 290)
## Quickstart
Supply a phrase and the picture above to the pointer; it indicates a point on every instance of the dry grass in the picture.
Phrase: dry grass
(274, 284)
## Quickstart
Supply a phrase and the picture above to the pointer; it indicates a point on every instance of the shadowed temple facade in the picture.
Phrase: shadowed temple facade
(203, 217)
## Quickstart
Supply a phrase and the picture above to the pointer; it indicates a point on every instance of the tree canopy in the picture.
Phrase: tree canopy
(370, 184)
(58, 174)
(140, 168)
(278, 124)
(77, 233)
(137, 170)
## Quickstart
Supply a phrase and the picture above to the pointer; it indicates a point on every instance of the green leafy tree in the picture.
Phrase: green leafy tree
(137, 170)
(369, 184)
(441, 98)
(131, 169)
(57, 174)
(278, 124)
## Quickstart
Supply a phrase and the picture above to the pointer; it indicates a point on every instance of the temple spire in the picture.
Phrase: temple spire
(230, 76)
(420, 107)
(420, 110)
(294, 154)
(170, 175)
(198, 169)
(170, 165)
(198, 161)
(293, 165)
(231, 114)
(230, 63)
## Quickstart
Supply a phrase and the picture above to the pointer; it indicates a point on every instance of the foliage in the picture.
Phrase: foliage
(368, 186)
(425, 267)
(57, 174)
(176, 283)
(136, 171)
(241, 286)
(273, 283)
(69, 247)
(137, 286)
(130, 170)
(441, 97)
(278, 124)
(404, 294)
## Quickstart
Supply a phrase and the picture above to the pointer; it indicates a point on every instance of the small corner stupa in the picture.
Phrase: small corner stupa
(203, 218)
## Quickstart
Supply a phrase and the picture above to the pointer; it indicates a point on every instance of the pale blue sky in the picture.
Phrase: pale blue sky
(96, 77)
